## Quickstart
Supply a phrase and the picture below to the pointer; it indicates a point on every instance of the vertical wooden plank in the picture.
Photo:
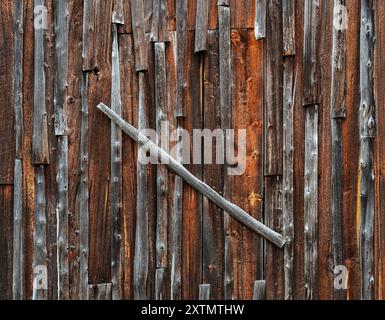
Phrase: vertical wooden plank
(311, 202)
(118, 12)
(62, 218)
(129, 91)
(201, 25)
(351, 141)
(61, 66)
(159, 283)
(273, 146)
(18, 26)
(379, 149)
(159, 28)
(288, 26)
(141, 258)
(274, 258)
(289, 87)
(99, 89)
(60, 102)
(182, 44)
(212, 233)
(181, 88)
(259, 290)
(299, 149)
(162, 129)
(192, 201)
(116, 177)
(138, 25)
(100, 292)
(246, 183)
(74, 110)
(84, 192)
(311, 65)
(242, 14)
(273, 91)
(338, 113)
(40, 153)
(367, 125)
(39, 234)
(204, 292)
(28, 168)
(6, 247)
(18, 280)
(260, 19)
(7, 117)
(18, 234)
(126, 14)
(225, 111)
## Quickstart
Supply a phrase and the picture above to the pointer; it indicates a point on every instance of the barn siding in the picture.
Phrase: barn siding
(278, 69)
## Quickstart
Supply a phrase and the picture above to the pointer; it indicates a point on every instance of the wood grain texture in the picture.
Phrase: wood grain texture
(311, 54)
(338, 112)
(116, 188)
(289, 88)
(6, 244)
(7, 117)
(367, 126)
(40, 153)
(273, 77)
(311, 202)
(257, 65)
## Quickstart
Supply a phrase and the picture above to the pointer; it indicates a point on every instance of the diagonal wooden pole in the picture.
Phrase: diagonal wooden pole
(173, 165)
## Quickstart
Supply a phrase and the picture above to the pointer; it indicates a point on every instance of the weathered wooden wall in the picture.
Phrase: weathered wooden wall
(75, 199)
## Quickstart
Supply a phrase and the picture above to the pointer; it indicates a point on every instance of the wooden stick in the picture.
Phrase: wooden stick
(235, 211)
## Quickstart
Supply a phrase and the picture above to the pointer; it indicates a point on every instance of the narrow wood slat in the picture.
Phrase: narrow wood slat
(260, 19)
(18, 25)
(118, 12)
(225, 111)
(338, 112)
(204, 292)
(367, 127)
(61, 66)
(311, 202)
(288, 24)
(273, 91)
(39, 265)
(162, 141)
(84, 192)
(311, 59)
(18, 234)
(141, 257)
(159, 283)
(6, 243)
(116, 188)
(289, 87)
(40, 154)
(159, 29)
(259, 290)
(138, 26)
(212, 233)
(7, 117)
(129, 92)
(201, 25)
(182, 47)
(274, 258)
(89, 34)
